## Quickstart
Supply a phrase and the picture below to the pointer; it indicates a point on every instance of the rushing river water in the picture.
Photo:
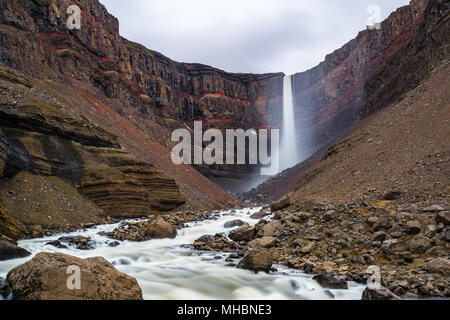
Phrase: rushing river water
(171, 269)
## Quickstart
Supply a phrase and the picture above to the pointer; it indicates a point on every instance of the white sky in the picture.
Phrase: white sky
(253, 36)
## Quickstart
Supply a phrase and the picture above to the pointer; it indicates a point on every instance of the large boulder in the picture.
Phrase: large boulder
(439, 265)
(271, 229)
(281, 204)
(331, 281)
(419, 244)
(233, 223)
(257, 260)
(160, 229)
(9, 250)
(244, 233)
(381, 293)
(48, 276)
(265, 242)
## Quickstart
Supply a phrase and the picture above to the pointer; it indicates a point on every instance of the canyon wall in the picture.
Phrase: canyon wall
(157, 94)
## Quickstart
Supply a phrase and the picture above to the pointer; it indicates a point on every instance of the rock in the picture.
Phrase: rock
(443, 217)
(419, 244)
(257, 260)
(413, 227)
(270, 229)
(308, 247)
(265, 242)
(244, 233)
(9, 250)
(214, 243)
(281, 204)
(434, 208)
(439, 265)
(330, 281)
(5, 290)
(392, 195)
(80, 242)
(234, 223)
(160, 229)
(56, 244)
(371, 221)
(384, 223)
(379, 236)
(47, 275)
(371, 293)
(260, 215)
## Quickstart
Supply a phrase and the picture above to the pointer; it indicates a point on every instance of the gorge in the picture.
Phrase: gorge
(86, 118)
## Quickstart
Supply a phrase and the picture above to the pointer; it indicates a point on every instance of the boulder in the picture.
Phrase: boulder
(265, 242)
(244, 233)
(272, 228)
(214, 243)
(419, 244)
(381, 293)
(80, 242)
(439, 265)
(413, 227)
(50, 276)
(443, 217)
(160, 229)
(4, 289)
(260, 215)
(257, 260)
(331, 281)
(379, 236)
(434, 208)
(9, 250)
(234, 223)
(281, 204)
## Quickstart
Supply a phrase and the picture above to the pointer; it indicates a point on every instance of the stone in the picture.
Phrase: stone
(419, 244)
(439, 265)
(9, 251)
(281, 204)
(331, 281)
(160, 229)
(379, 236)
(46, 277)
(257, 260)
(244, 233)
(443, 217)
(272, 228)
(308, 247)
(234, 223)
(265, 242)
(392, 195)
(260, 215)
(381, 293)
(434, 208)
(5, 290)
(56, 244)
(80, 242)
(413, 227)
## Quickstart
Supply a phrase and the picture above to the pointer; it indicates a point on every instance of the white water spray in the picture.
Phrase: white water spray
(288, 150)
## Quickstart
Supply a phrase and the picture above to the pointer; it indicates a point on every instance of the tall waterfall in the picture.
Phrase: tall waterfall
(288, 149)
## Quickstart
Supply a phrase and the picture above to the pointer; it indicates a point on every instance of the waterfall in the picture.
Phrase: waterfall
(288, 149)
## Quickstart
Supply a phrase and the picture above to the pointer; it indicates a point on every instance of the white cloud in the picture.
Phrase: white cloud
(245, 35)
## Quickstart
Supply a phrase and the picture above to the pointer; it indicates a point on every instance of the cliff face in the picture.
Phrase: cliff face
(41, 138)
(156, 95)
(371, 71)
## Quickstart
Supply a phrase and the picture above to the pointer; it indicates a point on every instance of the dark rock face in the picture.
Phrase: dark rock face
(330, 281)
(379, 294)
(9, 250)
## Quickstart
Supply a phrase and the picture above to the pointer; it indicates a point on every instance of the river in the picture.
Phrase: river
(172, 269)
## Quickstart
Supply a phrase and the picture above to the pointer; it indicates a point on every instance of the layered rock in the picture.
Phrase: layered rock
(71, 171)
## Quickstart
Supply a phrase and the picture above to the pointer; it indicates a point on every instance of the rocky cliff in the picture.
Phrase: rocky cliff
(155, 94)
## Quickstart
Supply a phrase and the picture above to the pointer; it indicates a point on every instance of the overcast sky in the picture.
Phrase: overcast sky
(254, 36)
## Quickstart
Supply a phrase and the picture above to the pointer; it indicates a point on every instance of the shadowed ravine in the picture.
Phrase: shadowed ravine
(172, 269)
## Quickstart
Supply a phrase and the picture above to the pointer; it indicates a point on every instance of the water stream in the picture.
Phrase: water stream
(172, 269)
